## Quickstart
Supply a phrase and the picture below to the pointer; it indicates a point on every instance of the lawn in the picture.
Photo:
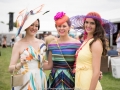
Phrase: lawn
(108, 82)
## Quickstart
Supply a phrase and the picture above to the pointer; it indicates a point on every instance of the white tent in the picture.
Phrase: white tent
(112, 15)
(4, 29)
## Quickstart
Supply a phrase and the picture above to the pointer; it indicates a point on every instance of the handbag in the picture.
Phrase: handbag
(16, 79)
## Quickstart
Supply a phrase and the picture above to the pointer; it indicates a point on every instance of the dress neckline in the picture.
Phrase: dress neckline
(64, 43)
(33, 48)
(83, 44)
(28, 47)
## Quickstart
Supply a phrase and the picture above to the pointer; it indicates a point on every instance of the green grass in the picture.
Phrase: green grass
(4, 63)
(108, 82)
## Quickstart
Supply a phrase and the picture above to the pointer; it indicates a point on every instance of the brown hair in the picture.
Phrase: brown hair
(38, 24)
(99, 33)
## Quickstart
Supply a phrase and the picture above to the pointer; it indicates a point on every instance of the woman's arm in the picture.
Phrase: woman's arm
(14, 59)
(48, 65)
(96, 62)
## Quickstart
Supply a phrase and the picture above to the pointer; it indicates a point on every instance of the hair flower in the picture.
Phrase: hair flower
(59, 15)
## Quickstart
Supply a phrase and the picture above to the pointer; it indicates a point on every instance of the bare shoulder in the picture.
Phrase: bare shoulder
(72, 40)
(40, 41)
(18, 44)
(53, 41)
(97, 43)
(75, 40)
(97, 47)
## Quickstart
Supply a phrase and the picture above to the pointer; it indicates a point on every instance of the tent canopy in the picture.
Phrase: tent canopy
(112, 15)
(4, 29)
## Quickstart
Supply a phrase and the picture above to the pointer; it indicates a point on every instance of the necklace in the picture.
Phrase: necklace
(76, 55)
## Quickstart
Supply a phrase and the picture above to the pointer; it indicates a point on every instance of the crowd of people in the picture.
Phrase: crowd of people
(74, 64)
(13, 39)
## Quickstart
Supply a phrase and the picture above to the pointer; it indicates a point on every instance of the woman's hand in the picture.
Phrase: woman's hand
(23, 60)
(74, 70)
(45, 62)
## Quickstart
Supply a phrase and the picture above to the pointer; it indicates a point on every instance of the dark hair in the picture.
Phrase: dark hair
(49, 33)
(99, 33)
(80, 36)
(119, 31)
(38, 24)
(69, 22)
(4, 37)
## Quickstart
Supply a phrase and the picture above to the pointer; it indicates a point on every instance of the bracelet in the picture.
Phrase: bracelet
(16, 67)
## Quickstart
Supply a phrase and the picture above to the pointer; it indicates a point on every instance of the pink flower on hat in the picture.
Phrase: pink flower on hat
(59, 15)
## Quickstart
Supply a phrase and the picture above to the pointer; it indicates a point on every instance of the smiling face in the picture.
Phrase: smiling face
(89, 25)
(63, 29)
(33, 28)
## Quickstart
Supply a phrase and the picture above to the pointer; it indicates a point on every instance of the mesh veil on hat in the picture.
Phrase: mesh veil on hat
(28, 18)
(78, 21)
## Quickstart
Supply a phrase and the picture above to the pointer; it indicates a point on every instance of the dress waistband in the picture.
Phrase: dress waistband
(84, 67)
(63, 64)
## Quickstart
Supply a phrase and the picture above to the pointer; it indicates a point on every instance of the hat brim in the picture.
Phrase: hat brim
(78, 21)
(31, 19)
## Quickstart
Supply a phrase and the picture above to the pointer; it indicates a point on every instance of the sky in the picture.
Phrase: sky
(70, 7)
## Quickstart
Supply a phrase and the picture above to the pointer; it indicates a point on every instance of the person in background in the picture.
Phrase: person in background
(4, 42)
(107, 44)
(31, 53)
(12, 41)
(88, 56)
(112, 52)
(118, 42)
(44, 35)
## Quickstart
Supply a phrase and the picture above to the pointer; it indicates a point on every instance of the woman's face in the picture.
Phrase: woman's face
(63, 29)
(89, 25)
(33, 28)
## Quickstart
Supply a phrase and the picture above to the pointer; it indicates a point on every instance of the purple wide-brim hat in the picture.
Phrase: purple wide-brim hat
(78, 21)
